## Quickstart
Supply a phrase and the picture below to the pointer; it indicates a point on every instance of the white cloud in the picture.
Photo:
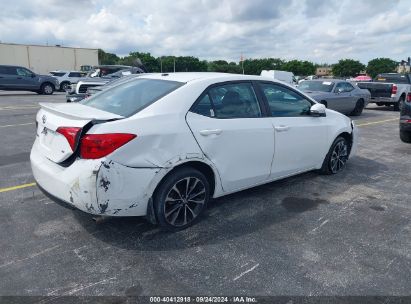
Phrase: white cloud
(321, 31)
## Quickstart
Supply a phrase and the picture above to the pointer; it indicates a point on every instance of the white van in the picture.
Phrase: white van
(284, 76)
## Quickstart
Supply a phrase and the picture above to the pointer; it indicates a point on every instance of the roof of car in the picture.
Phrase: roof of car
(191, 76)
(65, 71)
(327, 79)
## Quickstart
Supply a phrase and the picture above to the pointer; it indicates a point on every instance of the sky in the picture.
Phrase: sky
(322, 31)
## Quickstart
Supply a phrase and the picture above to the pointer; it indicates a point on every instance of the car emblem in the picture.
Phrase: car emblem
(44, 119)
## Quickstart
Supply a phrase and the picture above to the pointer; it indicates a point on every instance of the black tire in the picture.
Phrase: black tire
(176, 210)
(359, 107)
(64, 85)
(405, 136)
(398, 105)
(336, 157)
(380, 104)
(47, 88)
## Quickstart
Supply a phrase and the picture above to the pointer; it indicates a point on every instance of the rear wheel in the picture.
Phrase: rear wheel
(47, 88)
(380, 104)
(398, 105)
(336, 157)
(405, 136)
(359, 107)
(181, 198)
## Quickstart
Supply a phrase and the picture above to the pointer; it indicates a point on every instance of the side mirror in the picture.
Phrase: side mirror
(33, 75)
(318, 110)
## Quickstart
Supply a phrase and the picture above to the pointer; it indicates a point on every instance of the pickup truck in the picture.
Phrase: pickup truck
(388, 89)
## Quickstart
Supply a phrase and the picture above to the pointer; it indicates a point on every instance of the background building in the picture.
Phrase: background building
(43, 59)
(323, 71)
(404, 66)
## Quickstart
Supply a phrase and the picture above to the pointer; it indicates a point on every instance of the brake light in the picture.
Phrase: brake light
(71, 134)
(409, 97)
(394, 89)
(95, 146)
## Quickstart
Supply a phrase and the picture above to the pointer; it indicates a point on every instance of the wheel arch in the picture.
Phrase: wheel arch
(348, 137)
(201, 166)
(48, 82)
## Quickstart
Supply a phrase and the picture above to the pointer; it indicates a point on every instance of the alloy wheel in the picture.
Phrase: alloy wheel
(48, 89)
(185, 201)
(339, 156)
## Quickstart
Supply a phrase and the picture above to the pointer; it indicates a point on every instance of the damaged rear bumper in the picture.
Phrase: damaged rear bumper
(98, 187)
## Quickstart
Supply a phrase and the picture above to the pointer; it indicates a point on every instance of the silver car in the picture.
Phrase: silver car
(338, 95)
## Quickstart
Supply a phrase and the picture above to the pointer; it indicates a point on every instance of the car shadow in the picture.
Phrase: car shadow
(235, 215)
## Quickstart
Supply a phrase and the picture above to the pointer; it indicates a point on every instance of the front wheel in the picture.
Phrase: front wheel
(47, 89)
(336, 157)
(181, 198)
(64, 86)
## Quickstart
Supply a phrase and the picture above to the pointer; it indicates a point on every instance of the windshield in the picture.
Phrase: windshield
(130, 97)
(321, 86)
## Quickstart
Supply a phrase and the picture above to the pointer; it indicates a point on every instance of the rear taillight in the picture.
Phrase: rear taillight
(409, 97)
(71, 134)
(394, 89)
(93, 146)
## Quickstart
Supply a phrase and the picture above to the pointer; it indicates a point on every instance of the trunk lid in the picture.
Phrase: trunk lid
(52, 116)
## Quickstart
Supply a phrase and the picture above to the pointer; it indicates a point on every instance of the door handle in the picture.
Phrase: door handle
(211, 132)
(19, 78)
(282, 128)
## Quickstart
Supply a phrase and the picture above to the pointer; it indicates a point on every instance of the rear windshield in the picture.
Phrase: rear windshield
(130, 97)
(399, 78)
(322, 86)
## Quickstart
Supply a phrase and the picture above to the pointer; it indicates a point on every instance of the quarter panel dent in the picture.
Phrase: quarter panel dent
(122, 190)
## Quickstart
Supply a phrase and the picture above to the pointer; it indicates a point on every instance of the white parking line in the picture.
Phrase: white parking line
(16, 125)
(377, 122)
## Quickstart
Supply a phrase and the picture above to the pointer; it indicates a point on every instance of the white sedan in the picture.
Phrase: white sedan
(162, 145)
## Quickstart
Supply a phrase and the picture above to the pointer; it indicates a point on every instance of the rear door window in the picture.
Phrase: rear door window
(74, 74)
(235, 100)
(130, 97)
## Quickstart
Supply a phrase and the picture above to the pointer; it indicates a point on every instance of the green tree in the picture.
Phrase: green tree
(255, 66)
(151, 63)
(347, 68)
(299, 68)
(107, 58)
(223, 66)
(381, 65)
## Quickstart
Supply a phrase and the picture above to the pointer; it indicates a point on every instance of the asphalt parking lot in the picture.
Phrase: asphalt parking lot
(347, 234)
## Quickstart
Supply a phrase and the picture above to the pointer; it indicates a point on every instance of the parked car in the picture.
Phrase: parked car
(97, 89)
(162, 145)
(65, 78)
(338, 95)
(405, 120)
(77, 91)
(18, 78)
(287, 77)
(389, 89)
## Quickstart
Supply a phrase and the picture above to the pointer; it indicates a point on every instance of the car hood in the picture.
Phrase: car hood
(47, 77)
(317, 95)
